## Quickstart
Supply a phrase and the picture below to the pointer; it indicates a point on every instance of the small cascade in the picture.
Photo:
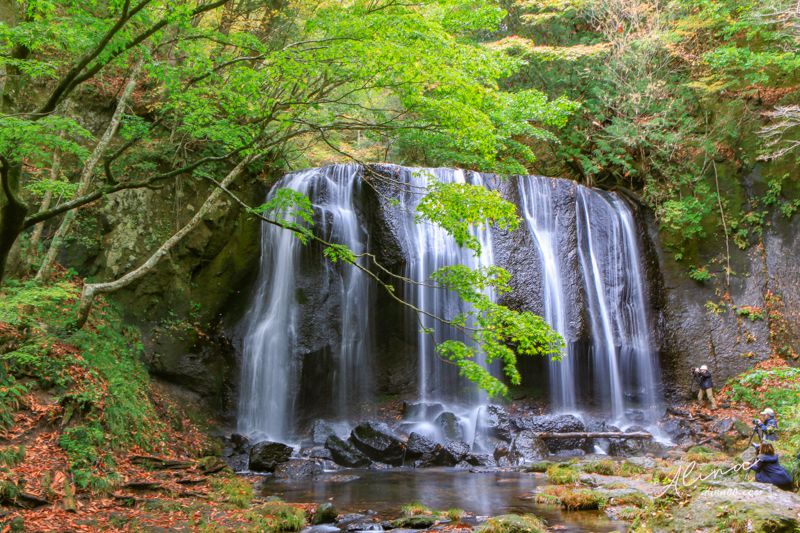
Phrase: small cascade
(274, 343)
(430, 248)
(536, 202)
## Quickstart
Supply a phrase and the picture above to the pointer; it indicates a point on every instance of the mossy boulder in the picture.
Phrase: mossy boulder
(734, 507)
(414, 522)
(512, 523)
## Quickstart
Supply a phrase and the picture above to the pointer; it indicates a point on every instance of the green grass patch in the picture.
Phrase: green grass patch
(233, 490)
(605, 467)
(562, 474)
(633, 498)
(455, 515)
(628, 469)
(11, 456)
(539, 467)
(583, 500)
(276, 516)
(512, 523)
(414, 509)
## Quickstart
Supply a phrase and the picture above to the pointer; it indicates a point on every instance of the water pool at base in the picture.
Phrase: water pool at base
(479, 493)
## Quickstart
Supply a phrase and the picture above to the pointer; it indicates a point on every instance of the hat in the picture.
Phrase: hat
(704, 367)
(768, 411)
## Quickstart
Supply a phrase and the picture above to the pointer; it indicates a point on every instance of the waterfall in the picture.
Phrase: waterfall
(308, 348)
(623, 373)
(536, 202)
(430, 248)
(273, 345)
(621, 350)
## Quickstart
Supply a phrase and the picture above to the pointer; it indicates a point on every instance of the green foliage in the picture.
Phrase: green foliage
(339, 252)
(414, 509)
(455, 515)
(96, 373)
(276, 516)
(539, 467)
(460, 207)
(11, 393)
(232, 489)
(512, 523)
(290, 209)
(497, 333)
(562, 474)
(750, 313)
(605, 467)
(583, 500)
(628, 469)
(700, 274)
(678, 102)
(11, 456)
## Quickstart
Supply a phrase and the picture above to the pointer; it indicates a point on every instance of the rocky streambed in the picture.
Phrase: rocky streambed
(450, 471)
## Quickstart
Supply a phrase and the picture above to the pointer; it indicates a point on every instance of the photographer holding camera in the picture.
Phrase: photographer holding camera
(767, 426)
(703, 377)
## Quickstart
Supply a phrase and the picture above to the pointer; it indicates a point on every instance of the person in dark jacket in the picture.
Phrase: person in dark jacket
(767, 425)
(703, 377)
(768, 469)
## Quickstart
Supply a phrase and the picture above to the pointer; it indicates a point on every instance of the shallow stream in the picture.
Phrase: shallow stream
(479, 493)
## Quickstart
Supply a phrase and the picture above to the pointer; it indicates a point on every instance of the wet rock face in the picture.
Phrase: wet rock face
(266, 456)
(450, 426)
(554, 424)
(451, 453)
(297, 469)
(727, 342)
(420, 450)
(497, 422)
(345, 454)
(377, 441)
(528, 448)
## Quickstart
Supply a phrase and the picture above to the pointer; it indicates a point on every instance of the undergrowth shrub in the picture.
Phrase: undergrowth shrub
(232, 489)
(583, 500)
(95, 373)
(278, 516)
(562, 474)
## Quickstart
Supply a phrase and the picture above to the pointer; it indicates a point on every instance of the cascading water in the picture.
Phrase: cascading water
(311, 321)
(622, 347)
(430, 248)
(273, 351)
(623, 371)
(537, 207)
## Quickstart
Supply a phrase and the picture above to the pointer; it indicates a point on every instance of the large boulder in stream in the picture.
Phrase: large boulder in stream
(496, 422)
(379, 443)
(345, 454)
(451, 453)
(420, 450)
(297, 469)
(450, 426)
(554, 424)
(265, 456)
(528, 448)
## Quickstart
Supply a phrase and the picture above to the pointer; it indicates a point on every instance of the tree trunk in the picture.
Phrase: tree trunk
(55, 170)
(596, 435)
(12, 210)
(90, 290)
(88, 173)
